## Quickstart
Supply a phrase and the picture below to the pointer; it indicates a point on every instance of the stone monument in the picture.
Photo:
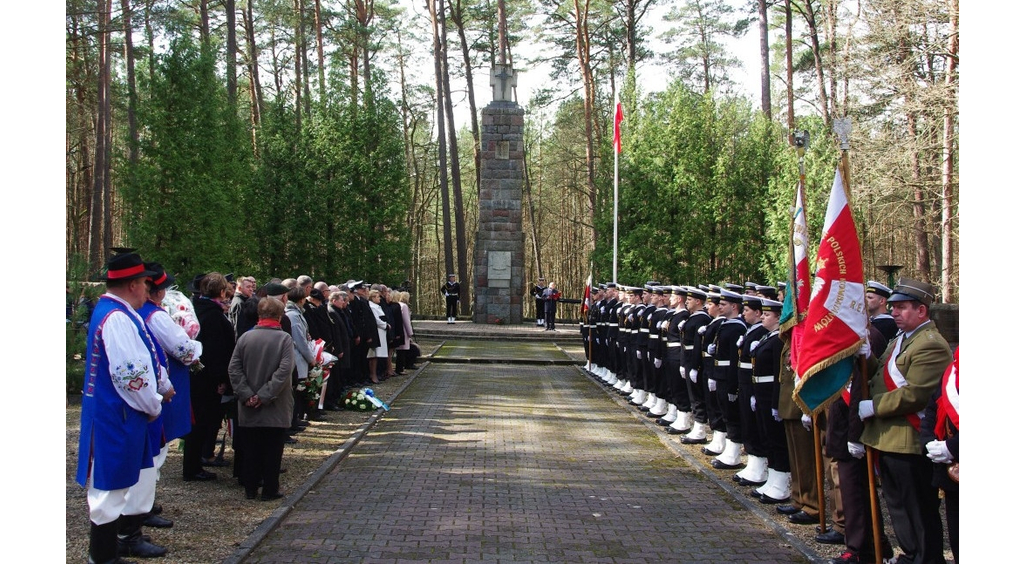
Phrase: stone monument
(499, 251)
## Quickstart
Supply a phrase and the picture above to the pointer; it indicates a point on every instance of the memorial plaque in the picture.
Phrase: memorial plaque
(499, 269)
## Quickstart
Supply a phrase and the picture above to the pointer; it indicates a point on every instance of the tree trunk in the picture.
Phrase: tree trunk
(99, 217)
(819, 67)
(582, 15)
(458, 16)
(790, 113)
(442, 153)
(766, 75)
(303, 55)
(133, 96)
(453, 145)
(949, 113)
(204, 23)
(232, 52)
(255, 89)
(297, 6)
(320, 51)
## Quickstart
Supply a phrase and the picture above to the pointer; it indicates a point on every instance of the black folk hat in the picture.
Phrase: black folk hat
(161, 279)
(126, 266)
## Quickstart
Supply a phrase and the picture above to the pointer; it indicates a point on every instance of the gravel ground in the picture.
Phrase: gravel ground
(212, 518)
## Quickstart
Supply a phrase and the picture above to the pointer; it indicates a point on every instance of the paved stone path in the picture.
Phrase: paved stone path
(512, 463)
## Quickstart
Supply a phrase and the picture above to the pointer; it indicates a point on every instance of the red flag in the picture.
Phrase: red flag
(837, 321)
(617, 141)
(585, 306)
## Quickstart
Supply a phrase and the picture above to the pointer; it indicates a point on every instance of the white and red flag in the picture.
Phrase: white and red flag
(837, 321)
(798, 287)
(617, 139)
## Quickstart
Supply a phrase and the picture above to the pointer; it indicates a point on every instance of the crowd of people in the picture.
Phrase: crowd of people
(150, 381)
(709, 363)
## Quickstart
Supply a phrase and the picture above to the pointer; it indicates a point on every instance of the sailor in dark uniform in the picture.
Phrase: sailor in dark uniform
(588, 331)
(756, 470)
(877, 298)
(632, 323)
(642, 337)
(693, 421)
(538, 299)
(708, 334)
(766, 355)
(725, 380)
(676, 395)
(450, 291)
(657, 405)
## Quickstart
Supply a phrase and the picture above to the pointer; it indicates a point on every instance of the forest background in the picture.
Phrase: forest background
(278, 137)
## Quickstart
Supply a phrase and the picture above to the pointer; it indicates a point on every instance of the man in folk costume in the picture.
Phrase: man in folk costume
(907, 376)
(176, 351)
(122, 393)
(940, 433)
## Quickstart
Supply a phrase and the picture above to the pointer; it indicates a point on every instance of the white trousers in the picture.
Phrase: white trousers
(106, 506)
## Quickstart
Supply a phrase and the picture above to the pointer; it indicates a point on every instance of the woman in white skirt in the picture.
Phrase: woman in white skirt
(382, 332)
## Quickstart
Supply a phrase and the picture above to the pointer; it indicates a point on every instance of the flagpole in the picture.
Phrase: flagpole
(615, 205)
(842, 128)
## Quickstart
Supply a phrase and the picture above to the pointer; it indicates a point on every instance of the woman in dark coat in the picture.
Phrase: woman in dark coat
(261, 375)
(208, 384)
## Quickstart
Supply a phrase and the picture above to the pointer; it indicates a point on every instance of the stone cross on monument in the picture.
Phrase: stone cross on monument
(503, 80)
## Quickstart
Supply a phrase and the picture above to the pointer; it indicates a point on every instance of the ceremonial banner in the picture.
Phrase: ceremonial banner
(798, 287)
(585, 306)
(837, 321)
(617, 139)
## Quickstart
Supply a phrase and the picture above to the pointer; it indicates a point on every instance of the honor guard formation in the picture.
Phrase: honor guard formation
(708, 363)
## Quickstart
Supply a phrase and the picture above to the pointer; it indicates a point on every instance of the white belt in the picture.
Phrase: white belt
(653, 336)
(705, 354)
(723, 363)
(645, 330)
(763, 379)
(747, 365)
(688, 347)
(674, 345)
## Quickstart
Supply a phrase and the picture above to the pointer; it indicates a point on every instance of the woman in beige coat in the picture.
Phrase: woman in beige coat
(261, 375)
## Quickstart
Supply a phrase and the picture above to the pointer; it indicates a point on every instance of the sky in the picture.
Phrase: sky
(651, 75)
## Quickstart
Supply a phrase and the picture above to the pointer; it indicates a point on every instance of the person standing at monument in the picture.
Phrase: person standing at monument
(538, 300)
(450, 291)
(551, 297)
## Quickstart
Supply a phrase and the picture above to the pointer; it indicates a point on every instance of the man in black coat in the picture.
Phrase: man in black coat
(365, 330)
(340, 347)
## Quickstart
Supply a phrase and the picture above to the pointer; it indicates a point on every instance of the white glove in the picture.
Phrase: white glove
(754, 346)
(938, 452)
(732, 397)
(775, 415)
(682, 371)
(712, 385)
(865, 350)
(657, 363)
(638, 355)
(702, 329)
(865, 409)
(739, 342)
(753, 403)
(856, 449)
(712, 348)
(806, 420)
(693, 375)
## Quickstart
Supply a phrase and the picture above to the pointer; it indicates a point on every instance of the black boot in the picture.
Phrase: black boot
(103, 543)
(130, 541)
